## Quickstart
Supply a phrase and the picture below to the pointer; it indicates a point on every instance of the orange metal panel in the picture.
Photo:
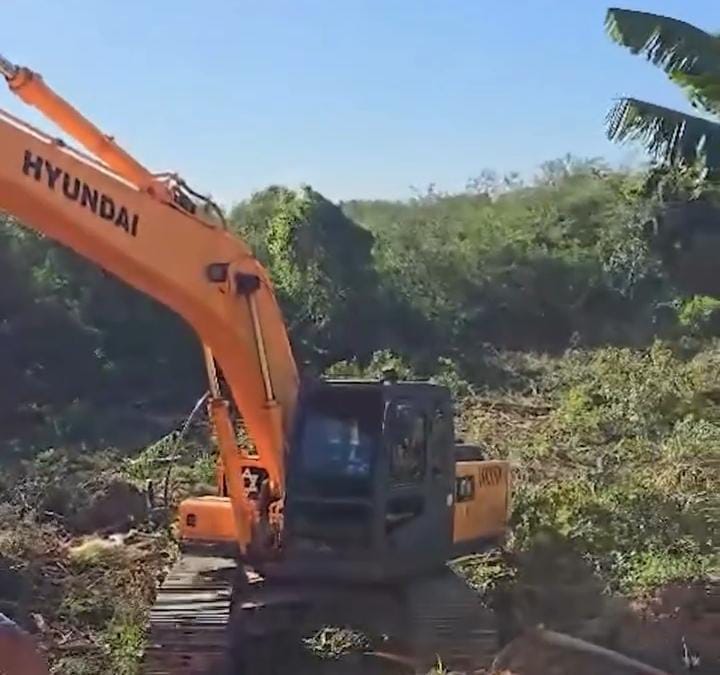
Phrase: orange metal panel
(486, 514)
(207, 519)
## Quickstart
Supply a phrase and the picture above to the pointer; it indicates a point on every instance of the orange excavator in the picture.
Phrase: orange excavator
(355, 494)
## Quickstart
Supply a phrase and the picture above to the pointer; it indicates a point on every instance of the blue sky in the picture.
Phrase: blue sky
(357, 98)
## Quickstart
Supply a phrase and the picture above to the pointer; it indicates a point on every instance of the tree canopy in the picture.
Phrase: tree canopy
(565, 260)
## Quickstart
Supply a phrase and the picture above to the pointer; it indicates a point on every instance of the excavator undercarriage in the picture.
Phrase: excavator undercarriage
(211, 618)
(369, 527)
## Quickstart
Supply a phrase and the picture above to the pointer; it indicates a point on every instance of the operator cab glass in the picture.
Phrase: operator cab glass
(336, 447)
(337, 442)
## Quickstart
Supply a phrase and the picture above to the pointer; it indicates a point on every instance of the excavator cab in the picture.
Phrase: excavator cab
(377, 488)
(371, 481)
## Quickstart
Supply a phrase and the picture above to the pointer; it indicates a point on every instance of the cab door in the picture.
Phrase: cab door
(417, 514)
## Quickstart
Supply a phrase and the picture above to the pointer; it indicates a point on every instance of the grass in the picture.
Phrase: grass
(616, 464)
(85, 596)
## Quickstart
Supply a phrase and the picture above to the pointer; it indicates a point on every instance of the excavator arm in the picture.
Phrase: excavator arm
(149, 232)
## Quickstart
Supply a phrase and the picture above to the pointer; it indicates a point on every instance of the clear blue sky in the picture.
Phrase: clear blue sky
(359, 98)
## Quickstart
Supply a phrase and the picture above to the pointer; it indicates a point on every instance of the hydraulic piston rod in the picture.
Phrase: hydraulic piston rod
(32, 89)
(8, 69)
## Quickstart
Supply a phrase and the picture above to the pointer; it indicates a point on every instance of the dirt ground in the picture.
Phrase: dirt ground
(677, 630)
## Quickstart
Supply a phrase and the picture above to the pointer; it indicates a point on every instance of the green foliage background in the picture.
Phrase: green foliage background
(563, 261)
(574, 317)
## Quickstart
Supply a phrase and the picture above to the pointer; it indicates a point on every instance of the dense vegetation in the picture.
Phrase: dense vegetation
(563, 262)
(572, 316)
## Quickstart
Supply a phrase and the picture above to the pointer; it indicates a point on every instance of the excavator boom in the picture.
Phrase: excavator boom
(109, 214)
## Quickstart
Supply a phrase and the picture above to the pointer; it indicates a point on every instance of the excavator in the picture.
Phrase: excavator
(354, 496)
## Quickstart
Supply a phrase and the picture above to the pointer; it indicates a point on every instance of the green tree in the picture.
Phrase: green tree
(522, 267)
(77, 347)
(322, 268)
(691, 58)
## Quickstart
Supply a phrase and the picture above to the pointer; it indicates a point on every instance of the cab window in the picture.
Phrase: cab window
(407, 430)
(437, 447)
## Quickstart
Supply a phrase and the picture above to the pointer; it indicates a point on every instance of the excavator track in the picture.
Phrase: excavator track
(188, 622)
(430, 619)
(438, 618)
(450, 623)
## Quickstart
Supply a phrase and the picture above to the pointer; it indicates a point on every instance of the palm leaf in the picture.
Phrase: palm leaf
(689, 55)
(669, 43)
(667, 134)
(702, 90)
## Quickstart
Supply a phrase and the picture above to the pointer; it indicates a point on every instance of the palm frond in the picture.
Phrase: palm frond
(702, 90)
(669, 43)
(667, 134)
